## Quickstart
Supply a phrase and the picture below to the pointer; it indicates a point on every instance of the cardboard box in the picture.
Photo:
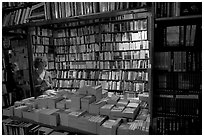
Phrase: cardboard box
(116, 111)
(76, 102)
(64, 116)
(94, 108)
(8, 111)
(96, 91)
(109, 127)
(105, 110)
(18, 111)
(68, 103)
(85, 101)
(61, 104)
(51, 101)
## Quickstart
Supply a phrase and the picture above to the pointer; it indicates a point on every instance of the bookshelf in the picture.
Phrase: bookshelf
(103, 50)
(177, 97)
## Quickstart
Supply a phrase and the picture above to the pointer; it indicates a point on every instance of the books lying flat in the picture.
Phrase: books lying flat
(104, 93)
(85, 101)
(96, 91)
(143, 114)
(95, 123)
(133, 128)
(76, 102)
(130, 112)
(61, 104)
(109, 127)
(122, 102)
(116, 111)
(94, 108)
(144, 97)
(113, 99)
(48, 116)
(18, 111)
(73, 117)
(44, 131)
(64, 116)
(133, 105)
(83, 123)
(51, 101)
(59, 133)
(105, 110)
(68, 103)
(8, 111)
(41, 101)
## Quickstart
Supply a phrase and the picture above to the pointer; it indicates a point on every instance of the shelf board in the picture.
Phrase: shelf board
(100, 15)
(178, 18)
(136, 69)
(170, 115)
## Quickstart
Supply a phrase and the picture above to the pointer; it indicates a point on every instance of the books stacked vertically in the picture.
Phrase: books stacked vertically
(16, 17)
(70, 9)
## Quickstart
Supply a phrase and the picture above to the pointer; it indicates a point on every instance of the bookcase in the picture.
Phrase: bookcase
(113, 51)
(177, 72)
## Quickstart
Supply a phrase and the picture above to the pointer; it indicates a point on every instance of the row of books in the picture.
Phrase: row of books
(182, 61)
(133, 25)
(172, 9)
(13, 4)
(44, 40)
(135, 64)
(179, 81)
(94, 38)
(175, 126)
(16, 17)
(55, 10)
(124, 75)
(74, 84)
(140, 45)
(108, 85)
(124, 36)
(103, 75)
(181, 105)
(105, 56)
(40, 49)
(126, 86)
(79, 40)
(180, 35)
(39, 31)
(18, 127)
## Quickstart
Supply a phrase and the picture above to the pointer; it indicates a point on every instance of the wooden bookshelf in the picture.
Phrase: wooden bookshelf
(177, 91)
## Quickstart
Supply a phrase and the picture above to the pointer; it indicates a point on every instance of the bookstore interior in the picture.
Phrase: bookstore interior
(101, 68)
